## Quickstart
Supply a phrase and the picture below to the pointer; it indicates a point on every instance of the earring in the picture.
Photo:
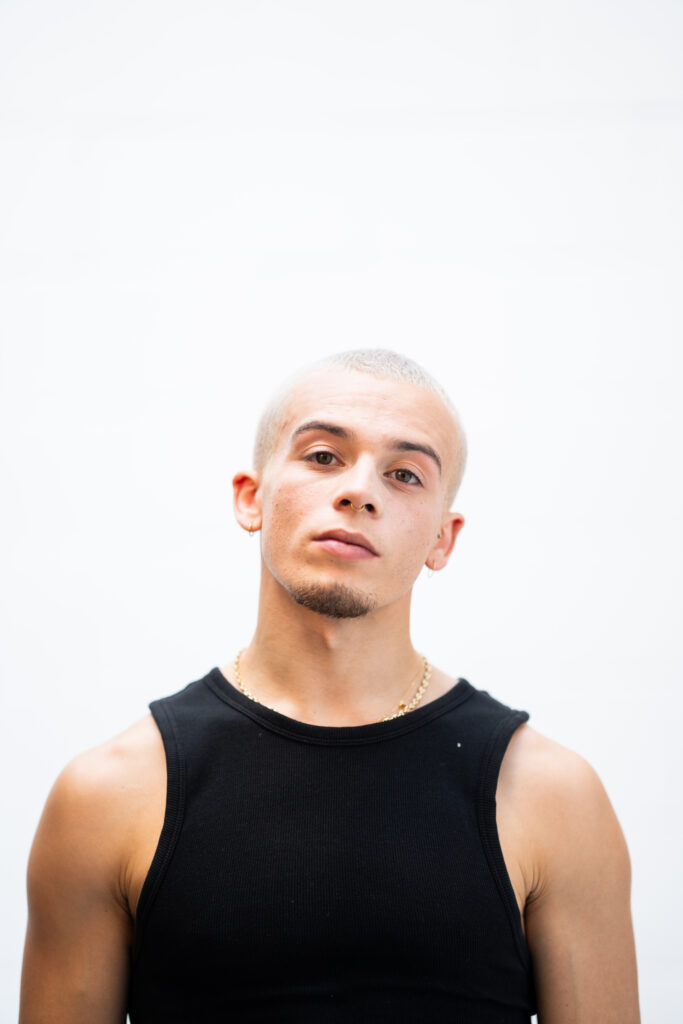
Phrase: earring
(251, 529)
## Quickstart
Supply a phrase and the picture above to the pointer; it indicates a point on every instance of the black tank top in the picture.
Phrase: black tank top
(316, 874)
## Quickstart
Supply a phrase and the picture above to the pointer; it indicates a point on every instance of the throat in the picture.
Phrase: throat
(319, 699)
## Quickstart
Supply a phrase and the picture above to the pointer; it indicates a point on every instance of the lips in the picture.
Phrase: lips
(346, 537)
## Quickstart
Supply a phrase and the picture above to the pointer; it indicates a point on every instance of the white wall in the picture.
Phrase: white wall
(195, 198)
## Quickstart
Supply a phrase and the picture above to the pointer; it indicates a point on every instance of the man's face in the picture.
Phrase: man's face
(351, 439)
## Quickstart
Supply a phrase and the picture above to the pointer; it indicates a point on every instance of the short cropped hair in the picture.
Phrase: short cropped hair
(378, 362)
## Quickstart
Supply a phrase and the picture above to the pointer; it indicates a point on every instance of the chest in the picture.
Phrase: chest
(310, 859)
(299, 870)
(329, 829)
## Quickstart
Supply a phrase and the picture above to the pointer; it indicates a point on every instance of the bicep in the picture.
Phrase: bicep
(76, 953)
(578, 921)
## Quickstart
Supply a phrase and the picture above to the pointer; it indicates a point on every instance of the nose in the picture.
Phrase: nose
(359, 489)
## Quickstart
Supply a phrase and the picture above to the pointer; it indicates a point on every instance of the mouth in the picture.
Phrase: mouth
(347, 544)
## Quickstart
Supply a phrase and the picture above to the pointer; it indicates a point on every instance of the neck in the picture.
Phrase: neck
(330, 671)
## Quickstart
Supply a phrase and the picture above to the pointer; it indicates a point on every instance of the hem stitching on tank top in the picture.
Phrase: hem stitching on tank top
(458, 694)
(170, 829)
(488, 826)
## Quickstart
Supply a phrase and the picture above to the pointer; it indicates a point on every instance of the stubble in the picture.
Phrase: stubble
(335, 600)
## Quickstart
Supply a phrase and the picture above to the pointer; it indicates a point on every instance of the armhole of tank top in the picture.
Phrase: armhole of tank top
(488, 826)
(173, 818)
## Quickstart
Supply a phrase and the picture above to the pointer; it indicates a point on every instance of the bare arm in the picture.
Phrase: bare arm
(578, 919)
(90, 853)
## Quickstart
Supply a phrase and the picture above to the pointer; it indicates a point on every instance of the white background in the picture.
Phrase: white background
(195, 199)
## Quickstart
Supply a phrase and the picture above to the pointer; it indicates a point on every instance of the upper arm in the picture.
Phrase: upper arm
(578, 919)
(79, 929)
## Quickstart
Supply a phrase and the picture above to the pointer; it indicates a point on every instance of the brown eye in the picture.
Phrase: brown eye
(322, 458)
(403, 475)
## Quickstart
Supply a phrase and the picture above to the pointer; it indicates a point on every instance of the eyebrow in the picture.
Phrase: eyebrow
(398, 445)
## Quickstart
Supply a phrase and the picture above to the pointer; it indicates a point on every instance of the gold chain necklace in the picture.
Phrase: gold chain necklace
(402, 708)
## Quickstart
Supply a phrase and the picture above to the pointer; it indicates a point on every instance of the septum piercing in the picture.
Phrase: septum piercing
(356, 509)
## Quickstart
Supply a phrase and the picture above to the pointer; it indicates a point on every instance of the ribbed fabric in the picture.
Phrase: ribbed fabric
(311, 874)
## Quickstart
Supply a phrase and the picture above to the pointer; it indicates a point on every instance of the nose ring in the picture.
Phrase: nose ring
(356, 509)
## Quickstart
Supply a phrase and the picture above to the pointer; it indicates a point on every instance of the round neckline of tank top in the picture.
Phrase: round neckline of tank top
(372, 732)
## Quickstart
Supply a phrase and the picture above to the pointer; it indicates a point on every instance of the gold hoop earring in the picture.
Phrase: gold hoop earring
(251, 529)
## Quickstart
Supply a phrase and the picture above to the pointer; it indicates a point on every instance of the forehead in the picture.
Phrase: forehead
(375, 406)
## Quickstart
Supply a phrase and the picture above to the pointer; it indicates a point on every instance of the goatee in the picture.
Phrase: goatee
(334, 600)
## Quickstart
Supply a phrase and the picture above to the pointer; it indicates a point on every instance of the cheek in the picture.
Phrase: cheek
(283, 510)
(414, 537)
(288, 499)
(418, 531)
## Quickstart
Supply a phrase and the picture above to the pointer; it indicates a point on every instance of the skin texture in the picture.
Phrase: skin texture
(561, 841)
(273, 418)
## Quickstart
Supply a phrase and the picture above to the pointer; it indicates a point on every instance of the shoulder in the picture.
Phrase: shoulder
(561, 814)
(547, 766)
(571, 856)
(547, 772)
(112, 774)
(80, 919)
(94, 809)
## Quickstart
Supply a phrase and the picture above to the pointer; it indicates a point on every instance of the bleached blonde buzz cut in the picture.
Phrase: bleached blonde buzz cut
(377, 362)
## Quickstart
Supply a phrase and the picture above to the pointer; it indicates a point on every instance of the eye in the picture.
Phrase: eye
(402, 476)
(321, 458)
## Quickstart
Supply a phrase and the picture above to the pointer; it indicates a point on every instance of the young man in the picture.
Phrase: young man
(329, 828)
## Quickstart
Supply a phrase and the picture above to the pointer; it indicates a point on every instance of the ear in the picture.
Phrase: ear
(445, 542)
(246, 489)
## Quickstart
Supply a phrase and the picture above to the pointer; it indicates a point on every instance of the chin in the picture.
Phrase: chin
(334, 600)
